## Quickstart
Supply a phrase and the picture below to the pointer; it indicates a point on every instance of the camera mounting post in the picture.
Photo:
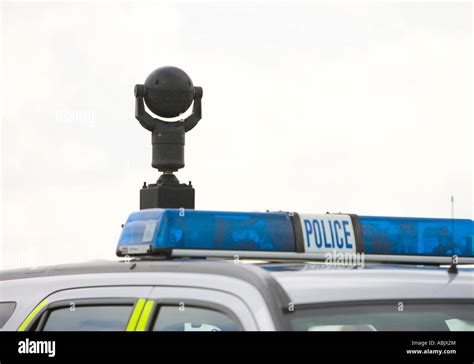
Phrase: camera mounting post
(168, 92)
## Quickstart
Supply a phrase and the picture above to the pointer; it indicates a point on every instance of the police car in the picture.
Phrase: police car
(189, 270)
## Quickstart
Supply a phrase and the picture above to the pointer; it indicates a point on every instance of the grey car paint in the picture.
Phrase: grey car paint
(29, 292)
(310, 284)
(338, 285)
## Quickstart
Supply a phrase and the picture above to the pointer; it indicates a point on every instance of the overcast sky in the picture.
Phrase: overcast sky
(362, 108)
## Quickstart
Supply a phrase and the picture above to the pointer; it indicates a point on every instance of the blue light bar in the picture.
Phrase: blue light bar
(417, 236)
(278, 235)
(153, 230)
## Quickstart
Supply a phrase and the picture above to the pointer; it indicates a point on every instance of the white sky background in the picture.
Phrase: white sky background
(362, 108)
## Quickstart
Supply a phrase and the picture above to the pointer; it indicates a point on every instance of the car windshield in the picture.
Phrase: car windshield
(393, 316)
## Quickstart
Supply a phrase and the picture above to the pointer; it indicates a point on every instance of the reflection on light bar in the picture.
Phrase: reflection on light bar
(417, 236)
(160, 229)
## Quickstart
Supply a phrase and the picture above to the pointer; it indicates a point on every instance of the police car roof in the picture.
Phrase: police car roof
(211, 266)
(300, 283)
(319, 283)
(142, 265)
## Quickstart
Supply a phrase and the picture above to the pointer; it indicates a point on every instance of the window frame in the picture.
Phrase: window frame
(195, 303)
(38, 323)
(224, 301)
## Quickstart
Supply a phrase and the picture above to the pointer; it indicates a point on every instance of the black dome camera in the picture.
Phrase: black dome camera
(168, 92)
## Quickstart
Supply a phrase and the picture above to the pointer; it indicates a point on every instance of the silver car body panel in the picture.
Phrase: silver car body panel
(31, 291)
(246, 291)
(338, 285)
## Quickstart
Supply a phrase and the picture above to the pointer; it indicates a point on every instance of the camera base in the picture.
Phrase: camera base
(167, 193)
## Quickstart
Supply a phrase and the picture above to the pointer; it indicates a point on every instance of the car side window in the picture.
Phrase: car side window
(87, 318)
(184, 318)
